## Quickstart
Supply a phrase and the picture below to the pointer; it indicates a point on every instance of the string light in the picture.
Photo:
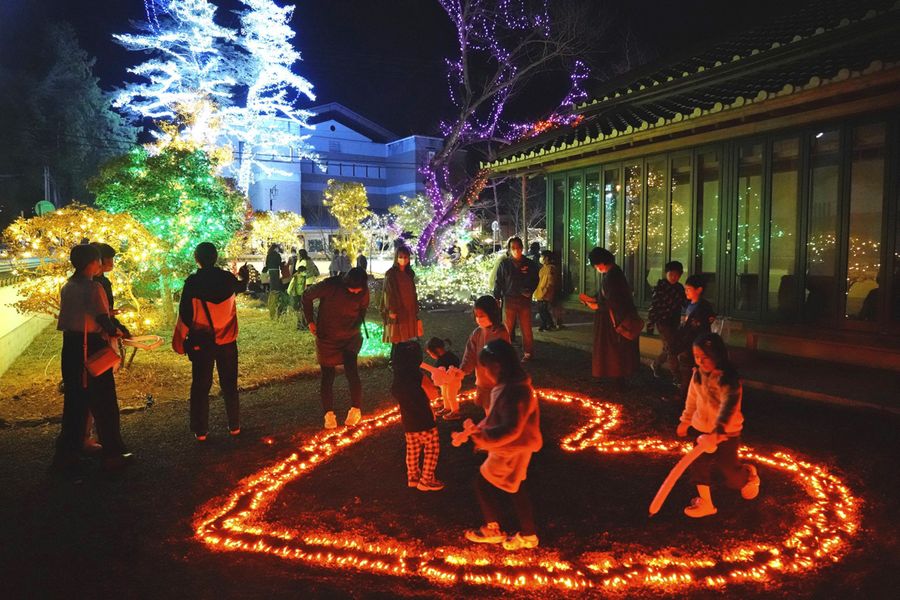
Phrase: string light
(826, 524)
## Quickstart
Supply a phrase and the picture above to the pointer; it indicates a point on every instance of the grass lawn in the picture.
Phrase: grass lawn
(132, 536)
(268, 351)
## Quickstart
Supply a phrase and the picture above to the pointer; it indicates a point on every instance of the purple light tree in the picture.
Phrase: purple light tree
(502, 45)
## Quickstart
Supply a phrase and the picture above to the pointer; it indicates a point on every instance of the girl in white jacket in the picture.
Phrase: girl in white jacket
(713, 407)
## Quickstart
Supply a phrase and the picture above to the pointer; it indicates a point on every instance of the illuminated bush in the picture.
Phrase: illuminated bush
(50, 237)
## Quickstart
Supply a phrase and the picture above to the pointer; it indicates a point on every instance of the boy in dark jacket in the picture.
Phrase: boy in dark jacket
(417, 418)
(665, 315)
(698, 320)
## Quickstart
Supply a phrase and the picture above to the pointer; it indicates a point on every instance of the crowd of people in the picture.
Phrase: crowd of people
(334, 311)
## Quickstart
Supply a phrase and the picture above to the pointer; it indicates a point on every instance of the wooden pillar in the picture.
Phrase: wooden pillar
(524, 222)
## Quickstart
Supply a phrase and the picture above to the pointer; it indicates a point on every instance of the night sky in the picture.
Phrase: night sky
(384, 58)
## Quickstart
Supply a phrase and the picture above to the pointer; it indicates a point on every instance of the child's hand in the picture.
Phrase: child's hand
(458, 438)
(709, 442)
(682, 430)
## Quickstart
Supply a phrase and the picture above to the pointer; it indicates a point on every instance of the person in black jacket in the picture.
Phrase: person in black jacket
(207, 331)
(417, 418)
(517, 278)
(699, 318)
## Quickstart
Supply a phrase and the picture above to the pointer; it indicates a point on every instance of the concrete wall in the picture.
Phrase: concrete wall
(17, 331)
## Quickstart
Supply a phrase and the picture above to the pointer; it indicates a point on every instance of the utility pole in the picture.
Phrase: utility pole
(524, 222)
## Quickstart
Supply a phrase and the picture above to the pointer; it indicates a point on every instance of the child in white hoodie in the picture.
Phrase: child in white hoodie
(713, 407)
(511, 433)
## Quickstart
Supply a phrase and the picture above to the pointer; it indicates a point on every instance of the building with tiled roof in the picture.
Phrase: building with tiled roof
(767, 162)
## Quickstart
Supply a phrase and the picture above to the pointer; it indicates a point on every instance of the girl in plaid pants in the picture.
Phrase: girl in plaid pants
(418, 420)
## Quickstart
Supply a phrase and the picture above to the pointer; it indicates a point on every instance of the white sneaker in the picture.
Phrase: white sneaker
(519, 541)
(330, 420)
(698, 508)
(486, 534)
(354, 416)
(751, 488)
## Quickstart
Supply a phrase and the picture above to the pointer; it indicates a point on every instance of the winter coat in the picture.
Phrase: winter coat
(666, 304)
(714, 403)
(341, 314)
(217, 288)
(547, 283)
(613, 355)
(400, 298)
(699, 318)
(516, 279)
(511, 433)
(475, 343)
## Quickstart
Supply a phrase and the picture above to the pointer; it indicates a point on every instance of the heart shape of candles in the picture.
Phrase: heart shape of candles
(821, 535)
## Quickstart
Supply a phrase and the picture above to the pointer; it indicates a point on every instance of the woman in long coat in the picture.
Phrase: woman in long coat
(614, 356)
(400, 303)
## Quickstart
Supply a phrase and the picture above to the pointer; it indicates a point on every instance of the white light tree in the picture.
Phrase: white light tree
(269, 122)
(191, 69)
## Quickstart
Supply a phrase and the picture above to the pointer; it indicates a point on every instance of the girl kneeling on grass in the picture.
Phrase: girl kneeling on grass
(490, 327)
(713, 407)
(510, 433)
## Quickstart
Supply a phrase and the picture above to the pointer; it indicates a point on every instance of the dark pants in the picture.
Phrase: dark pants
(99, 397)
(492, 498)
(518, 309)
(544, 313)
(351, 370)
(723, 461)
(225, 359)
(669, 355)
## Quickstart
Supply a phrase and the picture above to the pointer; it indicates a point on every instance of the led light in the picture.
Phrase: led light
(821, 535)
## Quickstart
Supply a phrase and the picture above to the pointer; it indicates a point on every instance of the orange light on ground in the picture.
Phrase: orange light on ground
(820, 536)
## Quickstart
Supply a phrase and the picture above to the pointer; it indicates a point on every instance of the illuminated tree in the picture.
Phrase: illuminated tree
(348, 203)
(380, 231)
(191, 66)
(50, 237)
(272, 91)
(502, 45)
(412, 215)
(266, 228)
(176, 196)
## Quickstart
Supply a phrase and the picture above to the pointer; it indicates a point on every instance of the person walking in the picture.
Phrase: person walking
(343, 302)
(305, 260)
(517, 278)
(614, 356)
(207, 331)
(666, 304)
(400, 302)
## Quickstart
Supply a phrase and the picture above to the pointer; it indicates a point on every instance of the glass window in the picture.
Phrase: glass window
(821, 260)
(747, 238)
(592, 237)
(656, 223)
(612, 187)
(866, 208)
(576, 235)
(784, 288)
(707, 257)
(632, 238)
(559, 206)
(680, 219)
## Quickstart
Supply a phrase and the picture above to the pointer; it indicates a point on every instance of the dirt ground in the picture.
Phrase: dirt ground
(130, 536)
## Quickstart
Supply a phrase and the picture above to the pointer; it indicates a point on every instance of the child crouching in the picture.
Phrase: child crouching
(713, 407)
(510, 433)
(418, 420)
